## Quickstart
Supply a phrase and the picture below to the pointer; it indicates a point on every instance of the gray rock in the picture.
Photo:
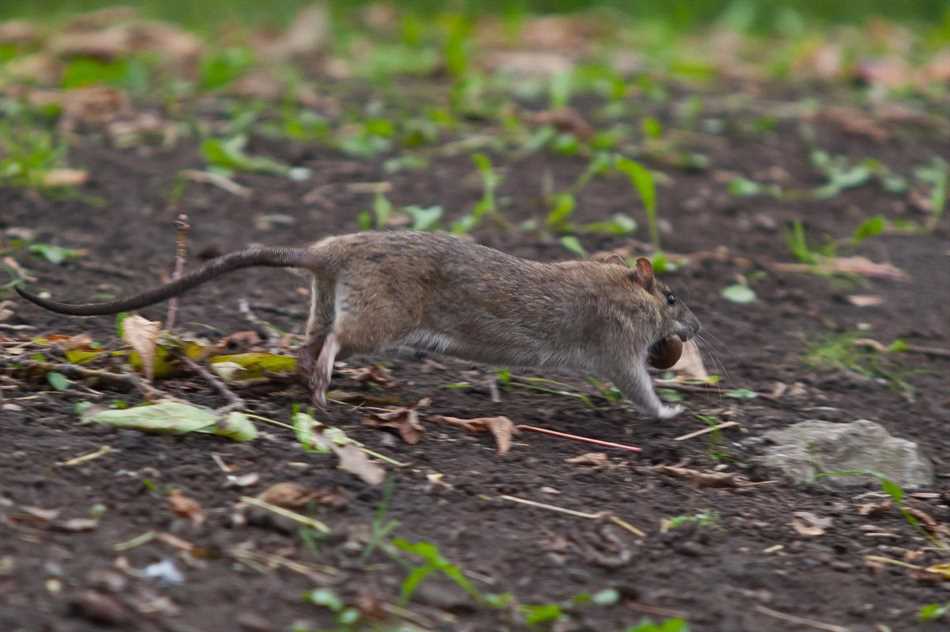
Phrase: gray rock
(804, 450)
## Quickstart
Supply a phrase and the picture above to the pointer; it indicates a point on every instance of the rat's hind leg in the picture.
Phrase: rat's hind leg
(322, 371)
(634, 382)
(314, 375)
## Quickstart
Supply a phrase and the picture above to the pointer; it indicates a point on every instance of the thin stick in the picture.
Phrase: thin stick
(181, 254)
(76, 371)
(273, 334)
(707, 430)
(577, 514)
(931, 351)
(286, 513)
(564, 435)
(818, 625)
(234, 402)
(89, 456)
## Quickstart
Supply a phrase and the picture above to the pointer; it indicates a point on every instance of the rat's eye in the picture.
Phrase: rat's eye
(670, 298)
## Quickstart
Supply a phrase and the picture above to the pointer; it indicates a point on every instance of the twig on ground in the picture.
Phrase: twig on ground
(273, 334)
(76, 371)
(218, 180)
(930, 351)
(600, 515)
(707, 430)
(655, 610)
(181, 254)
(9, 327)
(234, 401)
(286, 513)
(811, 623)
(564, 435)
(85, 458)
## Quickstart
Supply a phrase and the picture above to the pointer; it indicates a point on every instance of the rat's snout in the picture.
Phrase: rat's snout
(688, 329)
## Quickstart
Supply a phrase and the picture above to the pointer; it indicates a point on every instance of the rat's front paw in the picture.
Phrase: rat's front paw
(668, 412)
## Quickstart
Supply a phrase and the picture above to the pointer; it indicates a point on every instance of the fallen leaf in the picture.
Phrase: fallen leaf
(564, 120)
(374, 374)
(355, 461)
(142, 335)
(861, 266)
(597, 459)
(307, 33)
(64, 178)
(295, 496)
(76, 525)
(705, 479)
(808, 524)
(173, 417)
(501, 427)
(875, 509)
(185, 507)
(690, 364)
(404, 419)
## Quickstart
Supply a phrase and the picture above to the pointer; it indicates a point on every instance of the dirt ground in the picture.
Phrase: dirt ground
(745, 569)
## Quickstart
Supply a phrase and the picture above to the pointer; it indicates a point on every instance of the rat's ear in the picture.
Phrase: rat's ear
(643, 274)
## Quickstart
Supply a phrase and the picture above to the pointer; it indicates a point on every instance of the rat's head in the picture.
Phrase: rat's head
(675, 317)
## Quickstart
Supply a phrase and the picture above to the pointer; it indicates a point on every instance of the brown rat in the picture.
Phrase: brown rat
(377, 291)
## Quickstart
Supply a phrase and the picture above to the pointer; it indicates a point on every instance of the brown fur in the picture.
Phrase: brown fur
(377, 291)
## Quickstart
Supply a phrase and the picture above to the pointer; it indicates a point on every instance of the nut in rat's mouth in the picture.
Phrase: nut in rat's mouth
(666, 352)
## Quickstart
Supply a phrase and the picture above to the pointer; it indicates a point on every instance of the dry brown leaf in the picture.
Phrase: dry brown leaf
(855, 121)
(530, 63)
(403, 419)
(875, 509)
(355, 461)
(704, 479)
(95, 105)
(374, 374)
(142, 335)
(307, 33)
(501, 427)
(295, 496)
(65, 178)
(808, 524)
(185, 507)
(597, 459)
(690, 365)
(564, 120)
(861, 266)
(18, 32)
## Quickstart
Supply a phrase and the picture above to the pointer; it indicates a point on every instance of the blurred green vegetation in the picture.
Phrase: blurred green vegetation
(749, 15)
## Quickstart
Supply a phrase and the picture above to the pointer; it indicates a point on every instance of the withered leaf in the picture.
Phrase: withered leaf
(501, 427)
(809, 524)
(185, 507)
(142, 335)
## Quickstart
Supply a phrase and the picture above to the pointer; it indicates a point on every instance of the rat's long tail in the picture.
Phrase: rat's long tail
(250, 257)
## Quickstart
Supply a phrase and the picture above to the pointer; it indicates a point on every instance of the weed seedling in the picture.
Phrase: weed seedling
(702, 519)
(643, 181)
(667, 625)
(937, 174)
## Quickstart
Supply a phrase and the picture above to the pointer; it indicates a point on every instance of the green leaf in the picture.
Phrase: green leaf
(643, 181)
(222, 67)
(558, 217)
(382, 210)
(164, 417)
(606, 597)
(81, 356)
(541, 613)
(669, 395)
(619, 224)
(54, 254)
(933, 612)
(741, 393)
(743, 187)
(871, 227)
(237, 427)
(325, 597)
(58, 381)
(739, 293)
(307, 437)
(892, 489)
(424, 218)
(652, 128)
(571, 243)
(255, 364)
(229, 155)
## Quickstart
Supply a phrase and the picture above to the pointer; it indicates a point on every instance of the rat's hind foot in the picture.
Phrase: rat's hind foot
(668, 412)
